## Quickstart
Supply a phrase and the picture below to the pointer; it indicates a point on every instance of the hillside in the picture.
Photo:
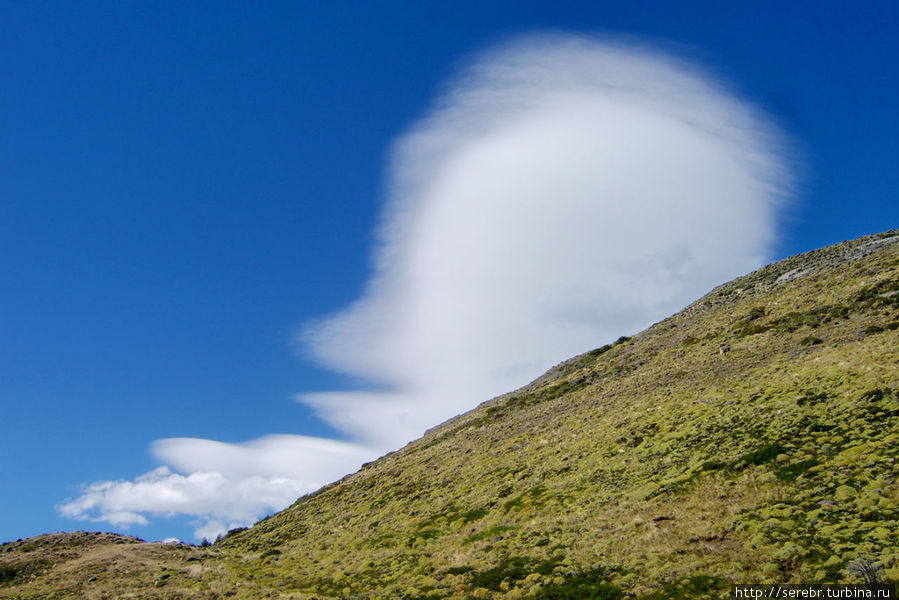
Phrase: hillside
(751, 437)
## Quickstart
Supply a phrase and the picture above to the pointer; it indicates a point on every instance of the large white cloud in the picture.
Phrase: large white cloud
(563, 191)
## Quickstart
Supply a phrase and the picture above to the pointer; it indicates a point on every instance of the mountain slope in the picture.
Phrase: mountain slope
(751, 437)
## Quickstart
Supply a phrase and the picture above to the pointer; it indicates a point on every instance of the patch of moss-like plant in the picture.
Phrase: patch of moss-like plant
(811, 397)
(876, 394)
(764, 454)
(747, 329)
(450, 515)
(713, 465)
(533, 496)
(691, 588)
(511, 570)
(548, 393)
(490, 532)
(588, 585)
(792, 471)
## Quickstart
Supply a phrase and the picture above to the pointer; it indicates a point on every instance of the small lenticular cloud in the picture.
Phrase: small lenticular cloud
(564, 191)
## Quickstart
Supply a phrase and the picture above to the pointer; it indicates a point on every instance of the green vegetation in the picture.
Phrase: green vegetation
(760, 456)
(660, 466)
(810, 340)
(12, 573)
(692, 588)
(486, 534)
(510, 570)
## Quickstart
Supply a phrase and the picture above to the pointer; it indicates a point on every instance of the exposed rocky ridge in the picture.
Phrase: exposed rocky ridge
(796, 267)
(751, 437)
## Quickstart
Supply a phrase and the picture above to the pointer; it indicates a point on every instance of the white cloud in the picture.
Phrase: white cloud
(563, 191)
(228, 485)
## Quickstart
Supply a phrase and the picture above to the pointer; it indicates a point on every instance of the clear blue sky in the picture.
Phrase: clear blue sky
(182, 185)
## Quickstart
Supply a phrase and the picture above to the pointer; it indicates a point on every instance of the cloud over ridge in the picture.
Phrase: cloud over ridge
(564, 190)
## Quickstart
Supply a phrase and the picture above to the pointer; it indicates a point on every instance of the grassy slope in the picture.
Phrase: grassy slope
(658, 466)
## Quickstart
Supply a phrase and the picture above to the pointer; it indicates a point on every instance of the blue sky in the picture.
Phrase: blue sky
(186, 187)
